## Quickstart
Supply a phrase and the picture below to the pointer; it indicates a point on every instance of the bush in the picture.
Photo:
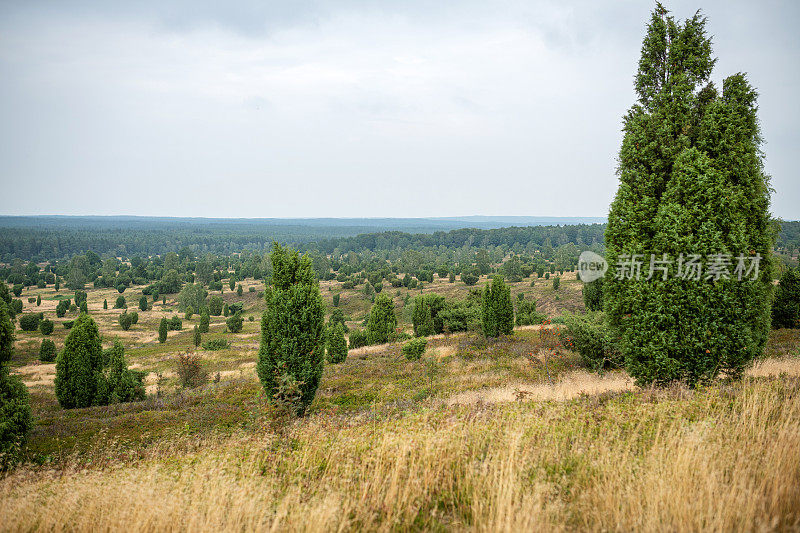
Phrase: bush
(215, 305)
(46, 326)
(62, 307)
(143, 303)
(196, 336)
(117, 383)
(593, 295)
(175, 324)
(556, 283)
(204, 322)
(68, 324)
(105, 304)
(30, 321)
(235, 323)
(120, 303)
(382, 321)
(414, 348)
(17, 289)
(589, 336)
(6, 335)
(336, 299)
(189, 313)
(358, 338)
(469, 278)
(125, 321)
(786, 307)
(31, 299)
(216, 344)
(235, 308)
(293, 327)
(80, 297)
(163, 328)
(47, 351)
(497, 311)
(191, 371)
(78, 365)
(336, 344)
(526, 313)
(15, 418)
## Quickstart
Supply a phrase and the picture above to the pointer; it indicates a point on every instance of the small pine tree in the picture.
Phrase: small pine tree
(78, 364)
(163, 328)
(497, 316)
(292, 328)
(336, 345)
(197, 337)
(382, 321)
(204, 322)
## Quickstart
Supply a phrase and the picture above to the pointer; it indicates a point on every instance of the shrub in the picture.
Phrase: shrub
(358, 338)
(590, 336)
(336, 299)
(189, 313)
(6, 335)
(47, 351)
(235, 323)
(469, 278)
(196, 336)
(15, 417)
(117, 383)
(235, 308)
(786, 307)
(204, 322)
(191, 371)
(336, 344)
(414, 348)
(556, 283)
(31, 299)
(143, 303)
(215, 305)
(163, 328)
(80, 297)
(593, 295)
(17, 289)
(125, 321)
(382, 321)
(216, 344)
(691, 182)
(526, 314)
(38, 300)
(78, 364)
(46, 326)
(293, 327)
(105, 304)
(68, 324)
(175, 324)
(120, 303)
(239, 290)
(30, 321)
(497, 311)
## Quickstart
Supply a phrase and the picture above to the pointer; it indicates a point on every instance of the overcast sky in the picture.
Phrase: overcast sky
(351, 108)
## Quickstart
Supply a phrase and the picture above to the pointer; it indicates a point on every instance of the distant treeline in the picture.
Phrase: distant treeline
(43, 239)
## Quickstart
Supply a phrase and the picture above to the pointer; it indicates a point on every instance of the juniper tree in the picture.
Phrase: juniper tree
(336, 344)
(163, 328)
(691, 181)
(204, 322)
(197, 337)
(382, 320)
(78, 364)
(497, 312)
(292, 328)
(786, 308)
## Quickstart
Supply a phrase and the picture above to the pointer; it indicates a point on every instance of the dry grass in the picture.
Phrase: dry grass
(720, 459)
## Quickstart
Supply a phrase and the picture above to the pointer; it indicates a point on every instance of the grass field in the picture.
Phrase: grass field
(477, 435)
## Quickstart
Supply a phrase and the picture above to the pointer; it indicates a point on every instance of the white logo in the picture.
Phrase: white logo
(591, 266)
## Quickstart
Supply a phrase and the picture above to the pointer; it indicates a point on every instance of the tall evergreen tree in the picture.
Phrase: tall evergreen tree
(197, 337)
(786, 308)
(497, 312)
(292, 328)
(78, 365)
(204, 322)
(382, 320)
(336, 344)
(691, 182)
(163, 328)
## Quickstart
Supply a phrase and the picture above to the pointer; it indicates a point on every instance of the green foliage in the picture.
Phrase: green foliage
(125, 320)
(62, 307)
(462, 315)
(422, 319)
(38, 300)
(189, 313)
(80, 297)
(47, 351)
(175, 323)
(78, 365)
(336, 344)
(786, 307)
(17, 289)
(497, 311)
(358, 338)
(204, 322)
(6, 335)
(215, 305)
(143, 305)
(239, 290)
(526, 314)
(30, 321)
(15, 417)
(337, 317)
(120, 303)
(46, 326)
(105, 304)
(590, 336)
(415, 348)
(216, 344)
(293, 327)
(691, 182)
(382, 321)
(117, 383)
(470, 278)
(197, 338)
(593, 295)
(191, 371)
(163, 328)
(235, 323)
(336, 299)
(556, 283)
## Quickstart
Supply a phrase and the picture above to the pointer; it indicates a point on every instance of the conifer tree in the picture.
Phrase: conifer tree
(163, 328)
(691, 182)
(197, 337)
(786, 308)
(78, 365)
(336, 344)
(204, 322)
(497, 312)
(292, 347)
(382, 321)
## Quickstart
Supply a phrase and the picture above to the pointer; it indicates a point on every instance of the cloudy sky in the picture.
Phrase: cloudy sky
(350, 108)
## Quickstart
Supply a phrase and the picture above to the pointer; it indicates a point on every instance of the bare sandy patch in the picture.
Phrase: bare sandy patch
(571, 386)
